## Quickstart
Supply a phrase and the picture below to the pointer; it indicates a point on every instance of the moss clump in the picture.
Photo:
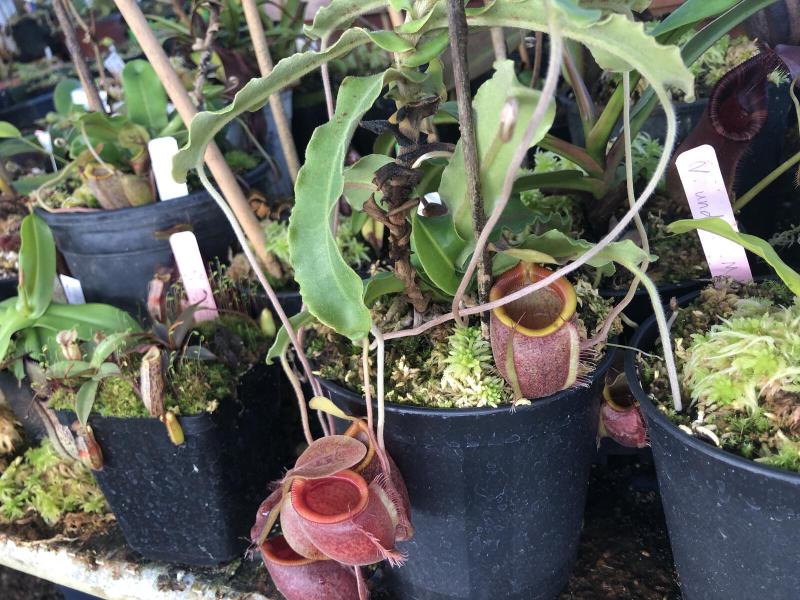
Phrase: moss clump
(42, 482)
(738, 348)
(446, 367)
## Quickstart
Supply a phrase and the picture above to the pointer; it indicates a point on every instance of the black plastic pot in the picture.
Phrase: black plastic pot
(115, 253)
(8, 288)
(497, 496)
(640, 307)
(19, 397)
(194, 503)
(734, 525)
(25, 114)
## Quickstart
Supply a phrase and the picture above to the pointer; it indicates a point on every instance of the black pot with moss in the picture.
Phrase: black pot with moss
(188, 497)
(497, 489)
(733, 522)
(115, 253)
(497, 496)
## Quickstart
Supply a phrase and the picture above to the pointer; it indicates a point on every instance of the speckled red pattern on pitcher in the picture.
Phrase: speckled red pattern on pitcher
(540, 329)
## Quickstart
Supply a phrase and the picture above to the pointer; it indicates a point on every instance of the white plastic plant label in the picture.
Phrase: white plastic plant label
(114, 62)
(72, 289)
(162, 150)
(705, 190)
(193, 274)
(78, 97)
(45, 140)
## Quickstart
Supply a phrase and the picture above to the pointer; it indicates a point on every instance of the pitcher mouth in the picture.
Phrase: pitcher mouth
(278, 551)
(540, 313)
(331, 499)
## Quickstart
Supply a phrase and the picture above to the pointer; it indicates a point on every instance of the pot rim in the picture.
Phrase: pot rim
(310, 514)
(411, 409)
(653, 413)
(528, 271)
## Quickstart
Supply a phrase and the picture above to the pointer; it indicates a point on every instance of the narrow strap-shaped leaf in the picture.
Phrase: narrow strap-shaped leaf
(84, 400)
(281, 342)
(338, 14)
(145, 97)
(255, 94)
(86, 319)
(107, 347)
(752, 243)
(37, 266)
(331, 290)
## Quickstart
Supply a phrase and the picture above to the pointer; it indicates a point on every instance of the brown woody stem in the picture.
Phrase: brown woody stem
(84, 74)
(457, 21)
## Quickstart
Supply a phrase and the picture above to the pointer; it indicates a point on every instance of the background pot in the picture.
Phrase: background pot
(195, 503)
(640, 307)
(733, 524)
(497, 497)
(19, 398)
(24, 114)
(688, 115)
(114, 253)
(778, 23)
(8, 288)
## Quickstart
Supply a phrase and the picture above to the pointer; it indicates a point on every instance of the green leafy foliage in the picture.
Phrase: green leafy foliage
(318, 264)
(7, 130)
(281, 343)
(33, 313)
(494, 152)
(338, 14)
(62, 96)
(256, 93)
(145, 97)
(562, 248)
(752, 243)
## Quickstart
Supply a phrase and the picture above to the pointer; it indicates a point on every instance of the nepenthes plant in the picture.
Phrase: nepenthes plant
(454, 221)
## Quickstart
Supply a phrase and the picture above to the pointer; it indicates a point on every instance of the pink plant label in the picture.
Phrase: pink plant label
(705, 189)
(193, 273)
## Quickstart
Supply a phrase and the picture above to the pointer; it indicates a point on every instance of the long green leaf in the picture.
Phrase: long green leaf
(564, 248)
(613, 39)
(691, 12)
(331, 290)
(281, 342)
(752, 243)
(338, 14)
(86, 319)
(381, 284)
(493, 153)
(107, 347)
(7, 130)
(437, 248)
(145, 97)
(37, 266)
(84, 400)
(68, 368)
(11, 322)
(62, 96)
(255, 94)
